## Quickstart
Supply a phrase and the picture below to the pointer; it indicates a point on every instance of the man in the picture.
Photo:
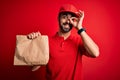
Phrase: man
(66, 50)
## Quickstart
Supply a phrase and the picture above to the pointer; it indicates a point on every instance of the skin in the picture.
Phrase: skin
(65, 22)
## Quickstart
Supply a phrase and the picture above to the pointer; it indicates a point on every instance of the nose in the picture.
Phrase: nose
(68, 20)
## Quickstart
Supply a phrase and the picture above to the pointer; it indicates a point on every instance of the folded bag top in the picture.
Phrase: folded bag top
(31, 51)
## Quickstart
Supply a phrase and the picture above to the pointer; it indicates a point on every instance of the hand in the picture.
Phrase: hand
(33, 35)
(77, 22)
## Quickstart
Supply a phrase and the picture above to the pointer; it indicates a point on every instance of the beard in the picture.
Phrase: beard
(66, 27)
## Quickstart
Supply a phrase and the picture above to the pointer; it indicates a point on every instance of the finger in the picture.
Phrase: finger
(34, 35)
(29, 36)
(71, 21)
(39, 33)
(80, 12)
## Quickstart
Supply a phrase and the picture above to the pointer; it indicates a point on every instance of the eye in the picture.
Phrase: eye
(74, 18)
(64, 16)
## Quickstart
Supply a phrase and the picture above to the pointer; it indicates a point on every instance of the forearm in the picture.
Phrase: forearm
(90, 46)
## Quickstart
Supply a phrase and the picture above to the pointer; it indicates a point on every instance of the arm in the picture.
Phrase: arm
(90, 46)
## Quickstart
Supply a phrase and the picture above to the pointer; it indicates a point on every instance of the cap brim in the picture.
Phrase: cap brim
(75, 14)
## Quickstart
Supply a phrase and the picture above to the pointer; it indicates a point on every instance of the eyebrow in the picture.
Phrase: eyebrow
(67, 14)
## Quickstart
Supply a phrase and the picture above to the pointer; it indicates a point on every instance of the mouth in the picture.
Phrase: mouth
(66, 26)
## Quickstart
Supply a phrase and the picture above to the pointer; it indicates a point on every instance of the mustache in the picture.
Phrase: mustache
(67, 23)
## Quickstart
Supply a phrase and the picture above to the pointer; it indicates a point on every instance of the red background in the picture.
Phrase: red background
(24, 16)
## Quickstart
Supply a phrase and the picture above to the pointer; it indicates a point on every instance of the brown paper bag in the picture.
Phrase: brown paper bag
(31, 51)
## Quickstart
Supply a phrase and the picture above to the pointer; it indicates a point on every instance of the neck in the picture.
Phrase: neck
(65, 35)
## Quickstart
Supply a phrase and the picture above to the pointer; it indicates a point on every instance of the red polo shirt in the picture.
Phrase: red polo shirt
(65, 58)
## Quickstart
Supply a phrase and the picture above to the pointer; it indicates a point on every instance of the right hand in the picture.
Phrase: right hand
(33, 35)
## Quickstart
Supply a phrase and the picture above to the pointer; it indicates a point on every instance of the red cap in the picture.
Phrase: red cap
(69, 8)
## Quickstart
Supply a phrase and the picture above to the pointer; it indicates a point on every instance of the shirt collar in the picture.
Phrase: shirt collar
(60, 37)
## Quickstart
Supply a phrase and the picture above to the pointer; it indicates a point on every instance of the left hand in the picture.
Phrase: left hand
(77, 22)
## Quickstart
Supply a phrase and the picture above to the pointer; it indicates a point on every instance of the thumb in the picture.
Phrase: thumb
(71, 21)
(39, 33)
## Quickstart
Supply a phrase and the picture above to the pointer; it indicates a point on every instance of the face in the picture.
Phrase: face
(64, 22)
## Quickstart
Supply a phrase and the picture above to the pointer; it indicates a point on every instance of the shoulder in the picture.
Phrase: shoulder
(52, 38)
